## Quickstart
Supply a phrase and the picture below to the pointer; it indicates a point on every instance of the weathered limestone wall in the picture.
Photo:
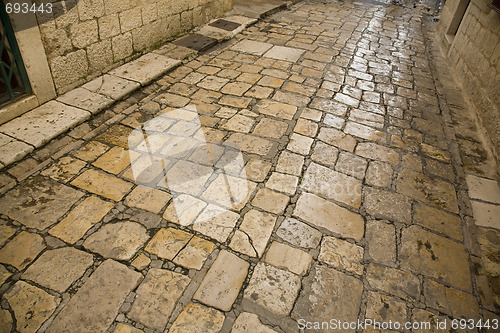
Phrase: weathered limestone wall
(90, 37)
(474, 53)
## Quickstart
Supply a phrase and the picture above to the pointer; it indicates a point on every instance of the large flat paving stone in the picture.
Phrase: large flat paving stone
(327, 215)
(45, 122)
(112, 86)
(426, 253)
(272, 288)
(223, 282)
(95, 305)
(252, 47)
(81, 219)
(31, 306)
(248, 322)
(38, 202)
(119, 240)
(483, 189)
(102, 184)
(145, 69)
(22, 250)
(58, 269)
(331, 184)
(156, 298)
(435, 192)
(284, 53)
(198, 318)
(388, 205)
(298, 233)
(85, 99)
(328, 294)
(12, 150)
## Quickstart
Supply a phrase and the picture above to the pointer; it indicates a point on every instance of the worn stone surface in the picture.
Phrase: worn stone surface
(328, 294)
(38, 202)
(287, 257)
(6, 232)
(253, 234)
(284, 53)
(156, 297)
(102, 184)
(166, 243)
(276, 109)
(4, 274)
(81, 219)
(148, 199)
(451, 301)
(393, 281)
(332, 185)
(341, 254)
(65, 169)
(278, 299)
(257, 169)
(198, 318)
(485, 214)
(248, 322)
(389, 205)
(108, 286)
(250, 46)
(435, 192)
(123, 328)
(426, 253)
(437, 220)
(270, 201)
(223, 282)
(40, 125)
(146, 68)
(290, 163)
(298, 233)
(58, 269)
(194, 254)
(384, 308)
(483, 189)
(31, 306)
(22, 250)
(115, 160)
(12, 150)
(319, 212)
(85, 99)
(250, 143)
(6, 320)
(381, 237)
(117, 240)
(216, 222)
(111, 86)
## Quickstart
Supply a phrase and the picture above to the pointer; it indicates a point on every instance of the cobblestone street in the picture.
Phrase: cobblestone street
(320, 165)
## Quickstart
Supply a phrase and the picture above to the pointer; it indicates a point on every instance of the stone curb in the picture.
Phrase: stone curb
(22, 135)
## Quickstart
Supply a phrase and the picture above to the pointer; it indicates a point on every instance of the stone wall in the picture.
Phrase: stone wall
(474, 52)
(86, 38)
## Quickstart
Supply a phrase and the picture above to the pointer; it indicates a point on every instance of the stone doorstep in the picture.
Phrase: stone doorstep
(88, 102)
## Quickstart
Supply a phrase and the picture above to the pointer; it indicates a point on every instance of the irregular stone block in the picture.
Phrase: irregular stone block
(156, 298)
(223, 282)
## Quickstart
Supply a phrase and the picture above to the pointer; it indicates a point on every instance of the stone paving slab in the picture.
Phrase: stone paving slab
(85, 99)
(111, 86)
(107, 287)
(145, 69)
(44, 123)
(12, 150)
